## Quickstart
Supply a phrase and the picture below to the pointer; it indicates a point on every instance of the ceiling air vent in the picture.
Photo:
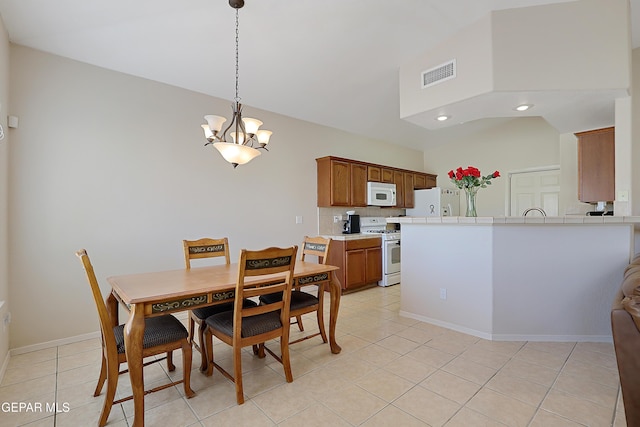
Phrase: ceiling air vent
(439, 74)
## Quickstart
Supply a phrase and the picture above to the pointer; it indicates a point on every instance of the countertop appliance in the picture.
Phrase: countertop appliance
(436, 201)
(352, 225)
(381, 194)
(390, 247)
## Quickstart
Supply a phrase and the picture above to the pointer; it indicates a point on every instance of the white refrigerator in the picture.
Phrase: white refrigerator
(436, 201)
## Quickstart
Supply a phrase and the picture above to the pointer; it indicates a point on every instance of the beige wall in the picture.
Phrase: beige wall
(116, 164)
(516, 145)
(4, 179)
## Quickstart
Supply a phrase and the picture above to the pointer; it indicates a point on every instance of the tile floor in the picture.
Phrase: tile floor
(392, 371)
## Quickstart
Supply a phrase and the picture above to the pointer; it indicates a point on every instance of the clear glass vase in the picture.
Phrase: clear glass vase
(470, 194)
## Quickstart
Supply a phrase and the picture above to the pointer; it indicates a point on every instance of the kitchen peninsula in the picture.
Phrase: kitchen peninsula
(515, 278)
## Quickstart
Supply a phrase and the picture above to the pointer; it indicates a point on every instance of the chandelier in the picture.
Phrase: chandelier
(240, 145)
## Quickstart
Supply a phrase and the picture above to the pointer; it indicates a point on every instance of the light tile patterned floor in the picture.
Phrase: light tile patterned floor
(392, 371)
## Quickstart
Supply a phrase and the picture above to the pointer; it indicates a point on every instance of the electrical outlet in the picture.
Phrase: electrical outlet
(337, 218)
(299, 219)
(443, 293)
(6, 321)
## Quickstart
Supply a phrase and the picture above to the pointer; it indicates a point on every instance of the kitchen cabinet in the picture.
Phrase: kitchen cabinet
(341, 183)
(360, 262)
(408, 190)
(596, 165)
(379, 174)
(423, 181)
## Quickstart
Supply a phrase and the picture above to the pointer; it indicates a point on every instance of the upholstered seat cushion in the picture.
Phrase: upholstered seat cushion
(157, 331)
(252, 325)
(299, 299)
(204, 312)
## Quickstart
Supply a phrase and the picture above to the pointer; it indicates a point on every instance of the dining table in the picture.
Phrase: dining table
(159, 293)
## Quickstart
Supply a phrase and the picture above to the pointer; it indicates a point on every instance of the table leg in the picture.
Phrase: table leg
(335, 291)
(133, 335)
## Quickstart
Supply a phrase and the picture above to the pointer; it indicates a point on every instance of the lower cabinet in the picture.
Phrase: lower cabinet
(360, 262)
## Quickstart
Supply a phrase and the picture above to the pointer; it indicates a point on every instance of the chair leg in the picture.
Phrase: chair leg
(203, 356)
(186, 368)
(237, 373)
(170, 366)
(112, 384)
(208, 350)
(103, 376)
(286, 362)
(299, 322)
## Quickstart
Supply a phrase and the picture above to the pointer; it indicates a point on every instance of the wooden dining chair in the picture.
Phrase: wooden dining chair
(162, 334)
(304, 302)
(253, 326)
(199, 249)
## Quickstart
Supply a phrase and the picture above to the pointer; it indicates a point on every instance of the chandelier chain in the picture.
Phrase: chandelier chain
(237, 72)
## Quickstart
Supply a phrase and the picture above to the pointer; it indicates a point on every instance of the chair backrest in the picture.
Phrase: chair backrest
(106, 326)
(260, 263)
(205, 248)
(318, 246)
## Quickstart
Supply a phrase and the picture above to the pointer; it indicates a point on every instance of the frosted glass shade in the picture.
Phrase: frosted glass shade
(251, 125)
(263, 136)
(215, 122)
(207, 132)
(240, 139)
(236, 154)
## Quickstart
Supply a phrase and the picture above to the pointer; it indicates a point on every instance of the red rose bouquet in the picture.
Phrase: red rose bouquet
(471, 177)
(470, 180)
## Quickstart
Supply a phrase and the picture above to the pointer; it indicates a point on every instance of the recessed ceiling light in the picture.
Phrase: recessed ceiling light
(523, 107)
(442, 118)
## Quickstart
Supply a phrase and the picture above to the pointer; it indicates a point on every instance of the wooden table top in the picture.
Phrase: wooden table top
(160, 285)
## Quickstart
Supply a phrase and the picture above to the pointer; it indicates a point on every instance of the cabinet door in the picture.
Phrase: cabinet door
(420, 181)
(596, 165)
(387, 175)
(398, 179)
(374, 265)
(408, 190)
(355, 268)
(374, 174)
(358, 185)
(340, 183)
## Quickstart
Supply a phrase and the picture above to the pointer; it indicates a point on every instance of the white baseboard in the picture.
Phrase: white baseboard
(54, 343)
(510, 337)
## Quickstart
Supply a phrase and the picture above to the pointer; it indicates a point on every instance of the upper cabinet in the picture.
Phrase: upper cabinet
(596, 165)
(343, 182)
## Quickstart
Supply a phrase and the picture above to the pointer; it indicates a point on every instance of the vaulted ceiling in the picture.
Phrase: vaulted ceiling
(331, 62)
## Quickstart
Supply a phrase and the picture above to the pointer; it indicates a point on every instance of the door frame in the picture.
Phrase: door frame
(507, 203)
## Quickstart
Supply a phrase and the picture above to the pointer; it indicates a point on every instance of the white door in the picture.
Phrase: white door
(535, 189)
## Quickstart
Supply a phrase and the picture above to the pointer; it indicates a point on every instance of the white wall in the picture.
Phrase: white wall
(518, 144)
(4, 183)
(116, 164)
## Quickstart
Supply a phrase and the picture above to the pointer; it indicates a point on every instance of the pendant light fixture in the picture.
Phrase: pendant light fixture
(241, 145)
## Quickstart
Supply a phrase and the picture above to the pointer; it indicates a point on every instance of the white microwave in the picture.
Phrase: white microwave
(381, 194)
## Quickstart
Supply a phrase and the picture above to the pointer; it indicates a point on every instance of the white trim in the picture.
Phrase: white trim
(70, 340)
(54, 343)
(509, 337)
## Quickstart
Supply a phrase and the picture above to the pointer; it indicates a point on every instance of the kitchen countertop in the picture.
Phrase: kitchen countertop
(355, 236)
(501, 220)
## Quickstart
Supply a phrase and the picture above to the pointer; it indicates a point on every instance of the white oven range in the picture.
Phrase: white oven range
(390, 248)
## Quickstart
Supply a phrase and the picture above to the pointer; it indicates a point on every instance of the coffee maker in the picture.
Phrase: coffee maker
(352, 225)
